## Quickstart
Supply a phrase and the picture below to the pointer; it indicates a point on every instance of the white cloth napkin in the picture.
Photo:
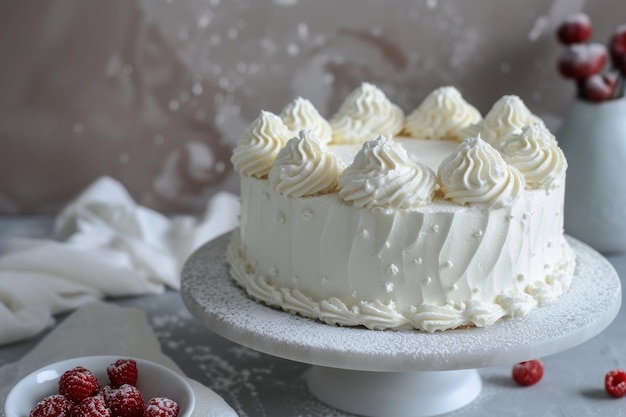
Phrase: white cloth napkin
(88, 332)
(105, 245)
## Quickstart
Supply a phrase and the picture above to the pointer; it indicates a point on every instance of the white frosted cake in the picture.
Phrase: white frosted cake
(436, 220)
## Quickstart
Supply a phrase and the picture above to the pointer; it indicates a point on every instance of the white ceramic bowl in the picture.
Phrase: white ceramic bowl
(154, 380)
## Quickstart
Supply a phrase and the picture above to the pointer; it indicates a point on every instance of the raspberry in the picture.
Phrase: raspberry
(528, 373)
(615, 383)
(52, 406)
(123, 371)
(161, 407)
(575, 28)
(91, 407)
(580, 61)
(78, 383)
(125, 401)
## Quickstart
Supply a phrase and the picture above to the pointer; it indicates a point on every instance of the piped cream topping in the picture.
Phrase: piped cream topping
(535, 153)
(476, 174)
(304, 167)
(442, 115)
(507, 116)
(301, 114)
(383, 176)
(259, 145)
(365, 114)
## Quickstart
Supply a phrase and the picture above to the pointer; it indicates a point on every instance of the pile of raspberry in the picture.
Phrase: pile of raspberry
(586, 62)
(81, 395)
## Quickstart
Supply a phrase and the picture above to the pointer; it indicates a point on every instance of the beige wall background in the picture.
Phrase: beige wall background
(155, 93)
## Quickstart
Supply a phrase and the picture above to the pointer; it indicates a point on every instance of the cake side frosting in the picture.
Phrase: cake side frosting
(431, 269)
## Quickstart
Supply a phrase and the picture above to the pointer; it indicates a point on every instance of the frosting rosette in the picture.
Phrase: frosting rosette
(535, 153)
(304, 167)
(365, 114)
(383, 176)
(259, 145)
(442, 115)
(301, 114)
(477, 175)
(508, 115)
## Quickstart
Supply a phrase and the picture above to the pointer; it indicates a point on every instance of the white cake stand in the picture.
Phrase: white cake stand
(399, 373)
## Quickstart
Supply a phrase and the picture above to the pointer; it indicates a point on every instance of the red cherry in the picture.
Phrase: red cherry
(599, 87)
(580, 61)
(617, 47)
(528, 373)
(576, 28)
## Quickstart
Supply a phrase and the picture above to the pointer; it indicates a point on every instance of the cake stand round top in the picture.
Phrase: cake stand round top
(585, 310)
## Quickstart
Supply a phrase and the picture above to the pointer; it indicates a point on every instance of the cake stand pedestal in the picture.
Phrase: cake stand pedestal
(399, 373)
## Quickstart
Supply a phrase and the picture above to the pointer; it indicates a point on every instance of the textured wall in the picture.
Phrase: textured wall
(156, 92)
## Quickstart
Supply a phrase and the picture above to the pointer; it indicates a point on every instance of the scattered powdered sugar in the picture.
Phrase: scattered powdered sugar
(586, 309)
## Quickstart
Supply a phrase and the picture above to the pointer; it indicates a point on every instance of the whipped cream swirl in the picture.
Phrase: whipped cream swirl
(383, 176)
(304, 167)
(477, 175)
(508, 115)
(442, 115)
(365, 114)
(258, 147)
(301, 114)
(535, 153)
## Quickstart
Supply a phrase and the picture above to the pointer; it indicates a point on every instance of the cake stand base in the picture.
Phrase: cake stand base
(408, 394)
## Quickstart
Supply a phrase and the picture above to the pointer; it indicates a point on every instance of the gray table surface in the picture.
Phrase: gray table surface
(256, 384)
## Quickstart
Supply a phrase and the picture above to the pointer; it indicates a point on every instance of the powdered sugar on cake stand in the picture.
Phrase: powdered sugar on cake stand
(399, 373)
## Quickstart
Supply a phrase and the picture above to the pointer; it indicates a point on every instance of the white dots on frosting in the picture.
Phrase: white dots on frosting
(280, 218)
(273, 272)
(428, 280)
(454, 287)
(306, 216)
(387, 245)
(392, 270)
(388, 287)
(478, 234)
(417, 261)
(448, 264)
(364, 234)
(435, 228)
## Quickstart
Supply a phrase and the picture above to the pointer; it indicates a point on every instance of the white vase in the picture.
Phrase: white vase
(593, 138)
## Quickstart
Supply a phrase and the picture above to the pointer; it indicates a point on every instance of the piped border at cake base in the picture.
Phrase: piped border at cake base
(376, 315)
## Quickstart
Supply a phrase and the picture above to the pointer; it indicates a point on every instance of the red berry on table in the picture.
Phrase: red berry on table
(599, 87)
(78, 383)
(55, 405)
(161, 407)
(580, 61)
(615, 383)
(123, 371)
(617, 47)
(125, 401)
(528, 373)
(91, 407)
(575, 28)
